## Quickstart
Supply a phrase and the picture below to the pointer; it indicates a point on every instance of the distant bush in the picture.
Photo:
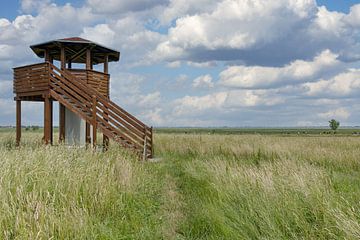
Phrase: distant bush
(334, 125)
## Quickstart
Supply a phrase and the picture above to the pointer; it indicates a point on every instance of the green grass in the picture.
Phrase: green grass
(206, 186)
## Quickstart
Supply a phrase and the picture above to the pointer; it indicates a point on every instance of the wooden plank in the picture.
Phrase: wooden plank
(94, 123)
(31, 65)
(126, 117)
(62, 57)
(47, 123)
(129, 134)
(28, 94)
(18, 122)
(69, 106)
(59, 79)
(51, 122)
(121, 121)
(65, 90)
(61, 123)
(88, 59)
(87, 133)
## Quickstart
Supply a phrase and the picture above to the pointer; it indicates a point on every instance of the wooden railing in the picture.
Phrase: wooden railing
(85, 92)
(99, 111)
(97, 80)
(31, 79)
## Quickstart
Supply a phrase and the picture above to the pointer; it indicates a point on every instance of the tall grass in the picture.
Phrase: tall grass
(266, 187)
(67, 193)
(204, 187)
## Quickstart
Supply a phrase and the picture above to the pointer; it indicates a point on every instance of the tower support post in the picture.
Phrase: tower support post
(18, 122)
(47, 119)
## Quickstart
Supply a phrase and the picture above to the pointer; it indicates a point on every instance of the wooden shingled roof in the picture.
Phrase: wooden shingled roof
(75, 50)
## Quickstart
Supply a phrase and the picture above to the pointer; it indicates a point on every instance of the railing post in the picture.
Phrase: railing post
(105, 138)
(152, 145)
(145, 145)
(94, 121)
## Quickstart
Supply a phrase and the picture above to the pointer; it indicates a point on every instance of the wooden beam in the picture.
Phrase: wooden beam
(51, 122)
(88, 67)
(88, 59)
(47, 55)
(78, 54)
(94, 122)
(47, 120)
(106, 64)
(61, 123)
(62, 107)
(18, 122)
(106, 70)
(62, 57)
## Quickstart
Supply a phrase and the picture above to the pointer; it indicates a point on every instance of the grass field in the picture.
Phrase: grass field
(206, 186)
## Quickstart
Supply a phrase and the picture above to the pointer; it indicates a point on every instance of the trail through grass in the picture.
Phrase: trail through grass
(205, 187)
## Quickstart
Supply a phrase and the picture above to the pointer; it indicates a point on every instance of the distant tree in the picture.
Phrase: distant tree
(34, 128)
(334, 125)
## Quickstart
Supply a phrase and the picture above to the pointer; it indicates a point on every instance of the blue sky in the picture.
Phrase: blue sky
(203, 62)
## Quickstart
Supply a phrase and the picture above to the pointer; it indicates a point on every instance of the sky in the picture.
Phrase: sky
(208, 63)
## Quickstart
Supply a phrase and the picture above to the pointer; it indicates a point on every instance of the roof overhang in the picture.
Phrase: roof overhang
(75, 49)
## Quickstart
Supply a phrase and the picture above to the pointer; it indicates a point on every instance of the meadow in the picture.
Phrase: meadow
(204, 186)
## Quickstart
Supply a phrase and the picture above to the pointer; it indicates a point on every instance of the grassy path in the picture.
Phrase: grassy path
(277, 189)
(205, 187)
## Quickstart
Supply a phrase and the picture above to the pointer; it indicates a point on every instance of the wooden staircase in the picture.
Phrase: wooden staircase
(100, 112)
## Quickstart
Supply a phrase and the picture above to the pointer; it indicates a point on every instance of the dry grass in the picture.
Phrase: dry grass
(205, 187)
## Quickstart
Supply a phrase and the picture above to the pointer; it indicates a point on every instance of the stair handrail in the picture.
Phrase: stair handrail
(90, 92)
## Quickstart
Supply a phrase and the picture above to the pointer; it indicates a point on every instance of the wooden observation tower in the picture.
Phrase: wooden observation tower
(83, 95)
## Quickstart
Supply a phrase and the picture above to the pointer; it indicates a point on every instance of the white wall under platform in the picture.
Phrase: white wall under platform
(74, 129)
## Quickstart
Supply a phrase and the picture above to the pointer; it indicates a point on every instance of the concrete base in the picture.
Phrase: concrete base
(74, 129)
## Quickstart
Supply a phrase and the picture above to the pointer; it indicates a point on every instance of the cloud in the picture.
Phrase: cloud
(260, 32)
(252, 98)
(264, 77)
(180, 8)
(29, 6)
(116, 7)
(189, 105)
(346, 84)
(204, 62)
(339, 113)
(204, 81)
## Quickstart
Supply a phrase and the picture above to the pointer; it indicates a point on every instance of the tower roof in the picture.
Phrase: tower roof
(75, 50)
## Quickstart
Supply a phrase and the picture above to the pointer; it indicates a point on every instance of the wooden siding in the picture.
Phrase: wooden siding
(97, 80)
(31, 79)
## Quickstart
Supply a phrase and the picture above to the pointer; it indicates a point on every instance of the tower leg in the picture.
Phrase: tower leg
(87, 134)
(18, 122)
(61, 123)
(51, 123)
(47, 120)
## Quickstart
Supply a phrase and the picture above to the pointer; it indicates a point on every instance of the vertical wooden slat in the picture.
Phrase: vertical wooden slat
(47, 55)
(61, 123)
(18, 122)
(47, 131)
(94, 122)
(106, 64)
(62, 57)
(88, 67)
(152, 145)
(62, 107)
(106, 70)
(51, 122)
